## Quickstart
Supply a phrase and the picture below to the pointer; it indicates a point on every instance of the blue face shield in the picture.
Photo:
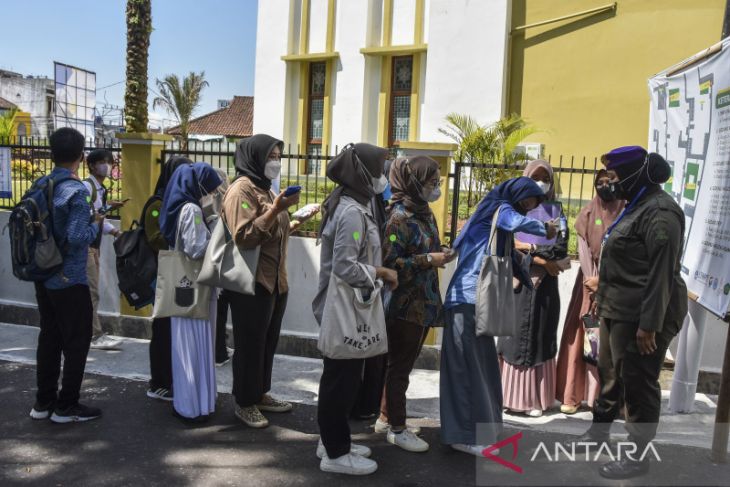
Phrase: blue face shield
(387, 193)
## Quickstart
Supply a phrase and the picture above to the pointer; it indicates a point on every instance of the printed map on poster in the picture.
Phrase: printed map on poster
(690, 127)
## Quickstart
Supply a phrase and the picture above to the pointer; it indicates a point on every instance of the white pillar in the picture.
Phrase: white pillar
(687, 364)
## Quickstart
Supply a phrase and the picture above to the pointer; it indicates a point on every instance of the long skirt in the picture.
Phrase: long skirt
(577, 380)
(528, 388)
(471, 389)
(193, 365)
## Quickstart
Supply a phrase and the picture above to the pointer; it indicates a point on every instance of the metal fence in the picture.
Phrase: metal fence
(31, 158)
(574, 179)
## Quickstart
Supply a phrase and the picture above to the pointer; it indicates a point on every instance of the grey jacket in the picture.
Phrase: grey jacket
(351, 236)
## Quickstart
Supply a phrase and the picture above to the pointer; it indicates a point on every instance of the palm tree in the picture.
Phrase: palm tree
(139, 27)
(181, 100)
(7, 125)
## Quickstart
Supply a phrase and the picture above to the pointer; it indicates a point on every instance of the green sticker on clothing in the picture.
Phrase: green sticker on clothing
(198, 220)
(155, 213)
(599, 221)
(393, 238)
(88, 199)
(244, 205)
(356, 235)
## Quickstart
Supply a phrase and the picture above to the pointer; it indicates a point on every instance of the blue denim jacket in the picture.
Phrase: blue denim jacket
(73, 229)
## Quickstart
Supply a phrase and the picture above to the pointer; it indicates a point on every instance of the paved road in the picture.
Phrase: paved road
(139, 442)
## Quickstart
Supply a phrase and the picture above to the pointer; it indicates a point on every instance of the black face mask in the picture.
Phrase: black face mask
(606, 193)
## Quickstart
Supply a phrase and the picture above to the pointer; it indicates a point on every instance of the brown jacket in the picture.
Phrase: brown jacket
(243, 207)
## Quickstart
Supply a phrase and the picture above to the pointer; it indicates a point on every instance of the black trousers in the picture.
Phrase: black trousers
(370, 393)
(161, 354)
(338, 389)
(256, 326)
(221, 350)
(66, 316)
(626, 374)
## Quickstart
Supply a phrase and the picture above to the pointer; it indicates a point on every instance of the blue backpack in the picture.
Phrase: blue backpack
(35, 254)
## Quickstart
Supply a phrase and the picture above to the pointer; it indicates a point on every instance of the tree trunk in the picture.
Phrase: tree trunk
(139, 27)
(726, 23)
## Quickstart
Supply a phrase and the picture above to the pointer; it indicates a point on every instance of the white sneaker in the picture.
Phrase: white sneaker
(534, 413)
(475, 450)
(348, 464)
(383, 427)
(105, 342)
(407, 440)
(355, 449)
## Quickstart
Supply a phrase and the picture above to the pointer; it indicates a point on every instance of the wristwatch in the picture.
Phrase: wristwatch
(429, 258)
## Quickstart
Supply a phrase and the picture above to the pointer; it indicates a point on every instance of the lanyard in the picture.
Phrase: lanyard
(620, 217)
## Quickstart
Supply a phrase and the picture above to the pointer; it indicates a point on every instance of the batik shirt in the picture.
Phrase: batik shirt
(408, 240)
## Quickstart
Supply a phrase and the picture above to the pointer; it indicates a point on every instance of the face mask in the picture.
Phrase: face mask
(605, 193)
(272, 169)
(379, 184)
(102, 170)
(544, 187)
(434, 195)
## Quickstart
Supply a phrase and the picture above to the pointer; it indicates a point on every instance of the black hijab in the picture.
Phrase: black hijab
(251, 156)
(352, 170)
(168, 169)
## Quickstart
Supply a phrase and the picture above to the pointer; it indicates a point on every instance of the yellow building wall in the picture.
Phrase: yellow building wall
(583, 81)
(22, 118)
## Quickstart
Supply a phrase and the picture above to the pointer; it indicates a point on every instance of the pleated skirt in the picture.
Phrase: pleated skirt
(528, 388)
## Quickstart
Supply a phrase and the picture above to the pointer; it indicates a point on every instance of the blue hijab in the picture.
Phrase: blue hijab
(510, 192)
(188, 184)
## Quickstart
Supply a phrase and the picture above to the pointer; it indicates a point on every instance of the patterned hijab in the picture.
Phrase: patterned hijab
(408, 176)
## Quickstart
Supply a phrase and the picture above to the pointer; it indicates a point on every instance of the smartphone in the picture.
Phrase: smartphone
(590, 321)
(105, 209)
(292, 190)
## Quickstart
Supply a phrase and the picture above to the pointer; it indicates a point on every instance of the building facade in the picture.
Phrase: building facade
(31, 94)
(330, 72)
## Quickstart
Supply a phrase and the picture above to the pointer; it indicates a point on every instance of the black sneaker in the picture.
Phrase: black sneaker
(76, 413)
(161, 393)
(42, 411)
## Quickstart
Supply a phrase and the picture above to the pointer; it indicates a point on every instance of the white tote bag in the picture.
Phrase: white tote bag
(178, 292)
(352, 327)
(227, 266)
(496, 314)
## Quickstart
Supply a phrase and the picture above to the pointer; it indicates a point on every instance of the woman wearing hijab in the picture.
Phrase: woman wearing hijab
(257, 217)
(184, 227)
(351, 249)
(160, 352)
(470, 386)
(577, 381)
(528, 359)
(413, 249)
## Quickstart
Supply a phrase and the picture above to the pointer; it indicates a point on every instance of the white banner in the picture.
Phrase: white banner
(6, 180)
(689, 124)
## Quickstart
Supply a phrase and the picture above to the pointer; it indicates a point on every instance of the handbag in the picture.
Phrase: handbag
(591, 338)
(227, 266)
(496, 303)
(178, 292)
(353, 326)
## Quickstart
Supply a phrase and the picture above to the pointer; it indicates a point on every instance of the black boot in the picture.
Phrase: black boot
(624, 469)
(598, 433)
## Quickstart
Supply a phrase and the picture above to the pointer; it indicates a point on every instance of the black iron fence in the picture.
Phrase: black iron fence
(30, 158)
(468, 181)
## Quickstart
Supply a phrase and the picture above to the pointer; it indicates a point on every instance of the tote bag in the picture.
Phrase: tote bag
(178, 292)
(227, 266)
(496, 313)
(353, 327)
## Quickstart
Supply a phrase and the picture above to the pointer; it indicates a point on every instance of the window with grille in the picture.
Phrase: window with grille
(315, 119)
(400, 99)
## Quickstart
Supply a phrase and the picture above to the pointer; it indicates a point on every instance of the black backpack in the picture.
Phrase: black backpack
(35, 254)
(136, 263)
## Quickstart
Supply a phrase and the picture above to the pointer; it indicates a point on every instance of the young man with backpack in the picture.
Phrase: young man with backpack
(63, 299)
(99, 162)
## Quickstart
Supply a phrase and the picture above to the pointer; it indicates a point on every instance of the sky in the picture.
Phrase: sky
(215, 36)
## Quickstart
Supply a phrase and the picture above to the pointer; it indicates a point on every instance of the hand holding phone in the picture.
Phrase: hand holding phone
(292, 190)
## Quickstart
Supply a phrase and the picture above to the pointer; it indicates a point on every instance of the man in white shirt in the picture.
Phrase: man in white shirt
(100, 164)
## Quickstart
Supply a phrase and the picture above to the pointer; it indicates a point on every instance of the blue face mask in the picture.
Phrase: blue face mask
(387, 193)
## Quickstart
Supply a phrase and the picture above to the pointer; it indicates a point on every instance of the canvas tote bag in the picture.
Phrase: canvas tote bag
(178, 292)
(496, 299)
(353, 327)
(227, 266)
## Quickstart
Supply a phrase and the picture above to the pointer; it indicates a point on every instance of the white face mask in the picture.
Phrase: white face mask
(102, 170)
(544, 187)
(272, 169)
(434, 195)
(379, 184)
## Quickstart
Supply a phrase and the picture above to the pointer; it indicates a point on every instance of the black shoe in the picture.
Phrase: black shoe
(624, 469)
(42, 411)
(595, 434)
(203, 418)
(76, 413)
